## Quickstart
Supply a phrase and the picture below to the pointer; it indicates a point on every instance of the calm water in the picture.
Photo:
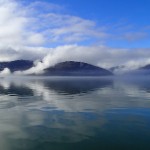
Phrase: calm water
(74, 114)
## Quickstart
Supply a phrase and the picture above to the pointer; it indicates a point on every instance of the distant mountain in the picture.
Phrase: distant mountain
(142, 71)
(68, 68)
(145, 70)
(71, 68)
(147, 67)
(17, 65)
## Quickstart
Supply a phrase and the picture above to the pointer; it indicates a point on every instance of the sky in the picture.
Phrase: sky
(105, 33)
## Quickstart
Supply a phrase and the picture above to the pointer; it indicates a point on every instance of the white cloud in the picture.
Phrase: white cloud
(36, 39)
(135, 36)
(12, 22)
(101, 56)
(5, 72)
(66, 28)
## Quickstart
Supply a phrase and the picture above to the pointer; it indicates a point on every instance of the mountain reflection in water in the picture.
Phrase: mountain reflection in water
(74, 113)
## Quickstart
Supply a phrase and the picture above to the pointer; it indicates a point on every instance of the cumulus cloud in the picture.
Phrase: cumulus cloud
(14, 37)
(11, 24)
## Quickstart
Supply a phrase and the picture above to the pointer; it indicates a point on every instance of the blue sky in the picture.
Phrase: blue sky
(127, 22)
(135, 11)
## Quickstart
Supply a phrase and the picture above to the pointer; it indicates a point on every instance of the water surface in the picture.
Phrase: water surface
(74, 114)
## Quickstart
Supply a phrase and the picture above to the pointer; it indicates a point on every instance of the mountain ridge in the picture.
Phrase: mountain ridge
(70, 68)
(16, 65)
(67, 68)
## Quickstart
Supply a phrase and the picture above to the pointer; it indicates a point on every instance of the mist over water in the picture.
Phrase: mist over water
(74, 113)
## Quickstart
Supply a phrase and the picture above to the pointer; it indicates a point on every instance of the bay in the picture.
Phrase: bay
(42, 113)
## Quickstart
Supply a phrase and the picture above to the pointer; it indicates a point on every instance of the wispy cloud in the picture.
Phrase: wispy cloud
(66, 28)
(135, 36)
